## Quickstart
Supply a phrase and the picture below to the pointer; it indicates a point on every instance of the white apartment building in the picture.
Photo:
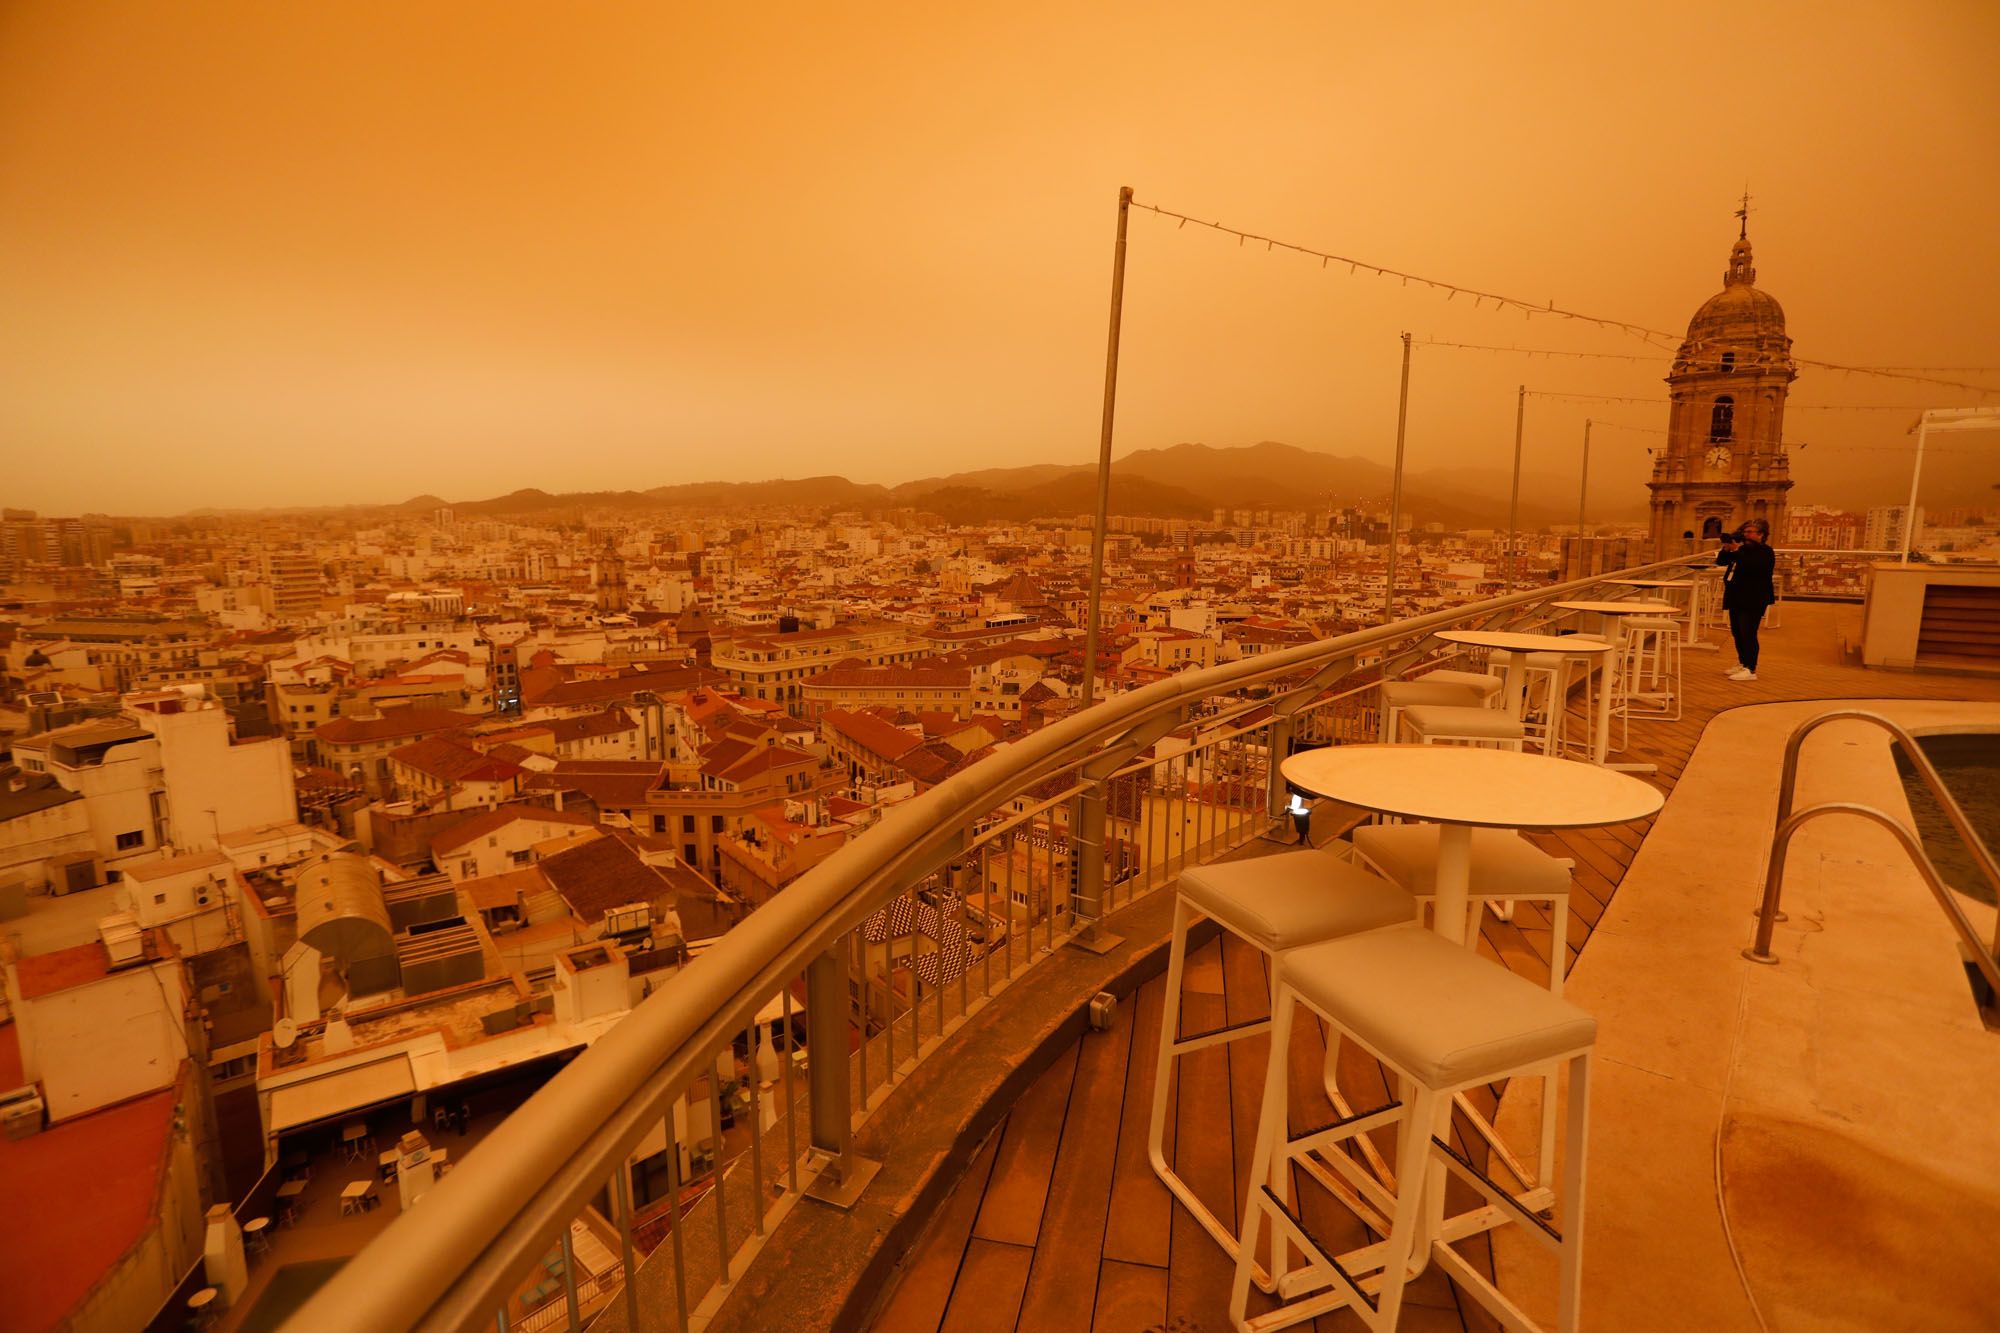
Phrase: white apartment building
(167, 771)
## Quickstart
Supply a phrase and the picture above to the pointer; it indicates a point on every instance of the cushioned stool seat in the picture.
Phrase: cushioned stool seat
(1280, 902)
(1487, 686)
(1504, 864)
(1474, 723)
(1409, 693)
(1431, 1008)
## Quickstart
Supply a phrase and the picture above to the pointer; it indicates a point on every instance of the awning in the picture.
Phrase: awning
(346, 1092)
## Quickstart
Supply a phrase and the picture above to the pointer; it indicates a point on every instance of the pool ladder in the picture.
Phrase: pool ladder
(1982, 962)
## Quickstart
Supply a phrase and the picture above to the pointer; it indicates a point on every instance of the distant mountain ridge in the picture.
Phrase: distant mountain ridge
(1181, 481)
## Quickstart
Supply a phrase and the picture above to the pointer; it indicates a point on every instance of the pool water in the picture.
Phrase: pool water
(1970, 767)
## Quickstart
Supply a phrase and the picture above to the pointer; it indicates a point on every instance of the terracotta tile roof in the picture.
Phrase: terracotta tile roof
(393, 724)
(600, 874)
(446, 760)
(869, 732)
(499, 817)
(610, 722)
(611, 784)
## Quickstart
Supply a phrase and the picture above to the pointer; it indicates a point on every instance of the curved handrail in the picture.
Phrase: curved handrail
(1788, 823)
(1760, 953)
(449, 1270)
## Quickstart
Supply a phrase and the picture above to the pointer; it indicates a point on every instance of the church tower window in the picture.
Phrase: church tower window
(1722, 418)
(1728, 361)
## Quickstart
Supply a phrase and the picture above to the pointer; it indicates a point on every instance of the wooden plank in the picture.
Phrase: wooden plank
(1139, 1226)
(987, 1298)
(925, 1280)
(1012, 1209)
(1129, 1297)
(1072, 1234)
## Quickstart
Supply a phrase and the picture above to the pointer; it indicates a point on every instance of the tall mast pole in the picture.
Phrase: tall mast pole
(1396, 488)
(1104, 451)
(1514, 498)
(1087, 823)
(1583, 488)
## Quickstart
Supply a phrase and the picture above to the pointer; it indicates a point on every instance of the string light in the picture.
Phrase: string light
(1529, 309)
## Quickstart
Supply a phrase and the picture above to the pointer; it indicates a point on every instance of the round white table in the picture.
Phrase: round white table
(1519, 643)
(1459, 788)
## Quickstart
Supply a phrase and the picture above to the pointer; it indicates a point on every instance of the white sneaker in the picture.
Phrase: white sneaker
(1742, 673)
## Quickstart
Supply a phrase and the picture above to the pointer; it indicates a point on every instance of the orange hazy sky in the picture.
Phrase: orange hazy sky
(263, 254)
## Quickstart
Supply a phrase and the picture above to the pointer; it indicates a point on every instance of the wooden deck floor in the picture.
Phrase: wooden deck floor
(1060, 1224)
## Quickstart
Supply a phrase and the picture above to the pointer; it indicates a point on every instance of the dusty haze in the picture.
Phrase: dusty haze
(261, 254)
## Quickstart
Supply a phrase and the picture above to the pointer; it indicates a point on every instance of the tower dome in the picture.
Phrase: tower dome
(1742, 318)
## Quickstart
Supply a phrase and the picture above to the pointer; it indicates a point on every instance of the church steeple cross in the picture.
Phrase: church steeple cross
(1743, 217)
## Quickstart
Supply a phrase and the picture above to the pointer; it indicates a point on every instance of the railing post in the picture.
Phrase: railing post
(1087, 878)
(843, 1176)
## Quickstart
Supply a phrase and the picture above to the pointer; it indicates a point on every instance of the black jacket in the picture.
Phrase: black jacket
(1747, 585)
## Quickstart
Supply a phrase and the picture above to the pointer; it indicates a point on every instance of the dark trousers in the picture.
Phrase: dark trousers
(1743, 622)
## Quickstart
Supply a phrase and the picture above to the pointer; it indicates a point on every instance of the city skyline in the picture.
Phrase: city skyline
(322, 259)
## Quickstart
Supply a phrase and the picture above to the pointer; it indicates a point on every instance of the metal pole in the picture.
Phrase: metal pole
(1396, 488)
(1512, 565)
(1087, 857)
(1104, 450)
(1916, 471)
(1583, 488)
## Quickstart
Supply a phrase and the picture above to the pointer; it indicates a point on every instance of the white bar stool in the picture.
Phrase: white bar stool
(1400, 694)
(1443, 1020)
(1652, 672)
(1545, 698)
(1459, 725)
(1505, 866)
(1274, 903)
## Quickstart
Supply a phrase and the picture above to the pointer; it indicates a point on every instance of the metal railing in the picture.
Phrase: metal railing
(894, 941)
(1986, 960)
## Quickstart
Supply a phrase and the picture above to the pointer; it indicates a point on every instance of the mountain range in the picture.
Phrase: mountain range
(1184, 481)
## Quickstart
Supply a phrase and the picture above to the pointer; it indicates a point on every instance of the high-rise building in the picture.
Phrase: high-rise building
(293, 578)
(1724, 461)
(1883, 530)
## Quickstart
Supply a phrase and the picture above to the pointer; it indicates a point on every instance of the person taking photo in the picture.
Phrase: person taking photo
(1747, 589)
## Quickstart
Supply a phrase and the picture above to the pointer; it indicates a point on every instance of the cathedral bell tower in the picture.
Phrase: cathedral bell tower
(610, 581)
(1724, 461)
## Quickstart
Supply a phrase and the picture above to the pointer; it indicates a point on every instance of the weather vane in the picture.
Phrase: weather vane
(1743, 215)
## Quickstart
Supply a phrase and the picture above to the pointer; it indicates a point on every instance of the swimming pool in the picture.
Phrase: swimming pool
(1970, 767)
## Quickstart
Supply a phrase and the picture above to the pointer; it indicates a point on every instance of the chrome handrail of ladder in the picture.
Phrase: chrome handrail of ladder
(1789, 822)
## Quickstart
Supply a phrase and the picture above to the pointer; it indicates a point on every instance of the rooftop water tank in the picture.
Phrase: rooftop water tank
(341, 910)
